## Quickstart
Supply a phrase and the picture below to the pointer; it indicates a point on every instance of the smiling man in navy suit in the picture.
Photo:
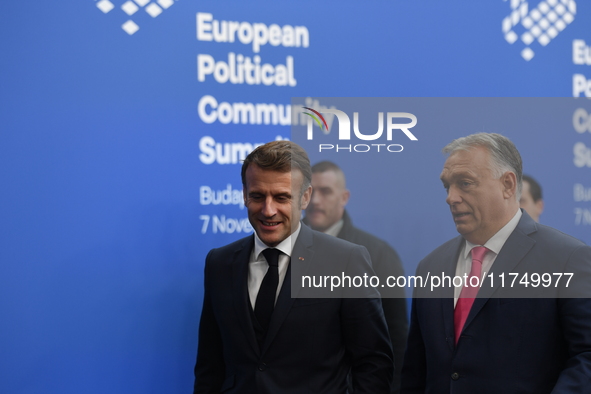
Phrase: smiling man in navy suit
(489, 336)
(253, 336)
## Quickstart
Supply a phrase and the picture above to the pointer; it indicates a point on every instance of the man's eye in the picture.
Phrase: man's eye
(465, 183)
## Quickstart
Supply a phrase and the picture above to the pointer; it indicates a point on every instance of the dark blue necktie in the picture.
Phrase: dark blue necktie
(265, 303)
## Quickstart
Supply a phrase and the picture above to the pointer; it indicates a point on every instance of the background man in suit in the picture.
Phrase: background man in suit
(531, 198)
(326, 212)
(489, 344)
(253, 336)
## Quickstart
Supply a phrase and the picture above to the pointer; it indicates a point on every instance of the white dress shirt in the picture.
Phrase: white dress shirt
(494, 246)
(258, 266)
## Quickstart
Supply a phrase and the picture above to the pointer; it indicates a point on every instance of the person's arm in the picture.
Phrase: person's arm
(575, 319)
(365, 333)
(394, 304)
(413, 376)
(209, 368)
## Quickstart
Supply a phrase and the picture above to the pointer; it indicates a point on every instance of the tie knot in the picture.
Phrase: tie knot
(272, 256)
(478, 253)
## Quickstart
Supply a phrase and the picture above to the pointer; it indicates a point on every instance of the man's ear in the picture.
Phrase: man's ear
(346, 195)
(539, 206)
(509, 181)
(306, 196)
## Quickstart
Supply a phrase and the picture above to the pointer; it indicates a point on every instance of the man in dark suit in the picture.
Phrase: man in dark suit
(326, 212)
(501, 337)
(531, 199)
(253, 336)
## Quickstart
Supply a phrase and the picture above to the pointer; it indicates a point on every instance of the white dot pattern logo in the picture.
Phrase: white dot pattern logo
(165, 3)
(153, 10)
(130, 27)
(542, 24)
(130, 8)
(105, 6)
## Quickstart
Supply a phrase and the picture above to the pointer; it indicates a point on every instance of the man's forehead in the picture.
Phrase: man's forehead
(466, 162)
(329, 178)
(260, 177)
(453, 173)
(254, 170)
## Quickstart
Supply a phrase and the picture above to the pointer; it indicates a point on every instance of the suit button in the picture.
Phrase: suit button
(455, 376)
(262, 366)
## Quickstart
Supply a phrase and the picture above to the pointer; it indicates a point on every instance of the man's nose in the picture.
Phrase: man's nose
(453, 196)
(269, 207)
(315, 199)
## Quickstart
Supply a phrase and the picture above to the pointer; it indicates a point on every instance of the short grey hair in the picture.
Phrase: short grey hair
(504, 156)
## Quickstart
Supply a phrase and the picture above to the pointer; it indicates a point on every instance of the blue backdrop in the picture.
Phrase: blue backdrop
(121, 132)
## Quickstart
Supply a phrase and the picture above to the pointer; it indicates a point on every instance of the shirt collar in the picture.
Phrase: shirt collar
(496, 242)
(335, 229)
(285, 246)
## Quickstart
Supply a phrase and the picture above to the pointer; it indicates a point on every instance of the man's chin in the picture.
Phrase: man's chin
(269, 241)
(314, 223)
(470, 234)
(462, 229)
(271, 237)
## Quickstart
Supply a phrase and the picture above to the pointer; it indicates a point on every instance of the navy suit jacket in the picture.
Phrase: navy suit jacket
(311, 344)
(385, 262)
(508, 345)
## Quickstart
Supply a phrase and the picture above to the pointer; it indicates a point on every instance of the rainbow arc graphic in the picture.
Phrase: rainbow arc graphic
(322, 124)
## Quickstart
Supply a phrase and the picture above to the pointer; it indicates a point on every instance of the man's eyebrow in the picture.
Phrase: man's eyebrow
(443, 175)
(455, 175)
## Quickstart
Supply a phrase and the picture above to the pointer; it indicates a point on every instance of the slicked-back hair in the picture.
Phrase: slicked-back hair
(504, 156)
(326, 165)
(281, 156)
(534, 188)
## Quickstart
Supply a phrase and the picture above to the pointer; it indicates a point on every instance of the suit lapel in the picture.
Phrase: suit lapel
(447, 300)
(240, 288)
(515, 249)
(301, 258)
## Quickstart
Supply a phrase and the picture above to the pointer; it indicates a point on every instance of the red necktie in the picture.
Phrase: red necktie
(468, 293)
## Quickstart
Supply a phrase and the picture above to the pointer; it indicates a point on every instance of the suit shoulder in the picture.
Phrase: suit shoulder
(334, 243)
(559, 247)
(553, 238)
(368, 240)
(223, 252)
(446, 249)
(320, 237)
